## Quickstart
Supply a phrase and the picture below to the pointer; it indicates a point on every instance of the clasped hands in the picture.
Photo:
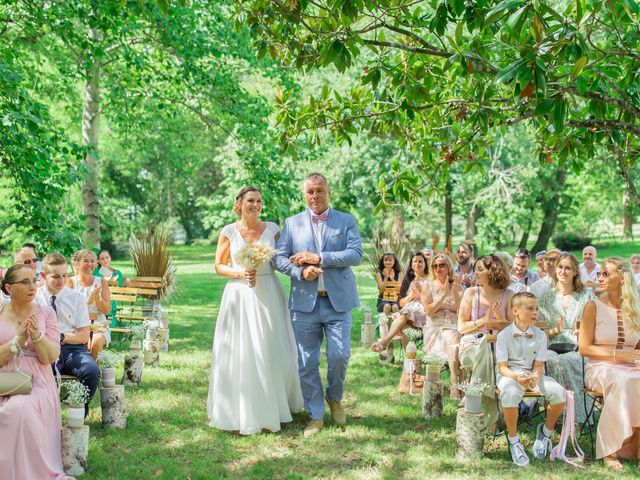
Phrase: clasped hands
(528, 380)
(311, 260)
(29, 329)
(494, 309)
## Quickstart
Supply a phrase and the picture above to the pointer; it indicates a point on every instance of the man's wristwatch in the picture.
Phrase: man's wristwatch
(61, 338)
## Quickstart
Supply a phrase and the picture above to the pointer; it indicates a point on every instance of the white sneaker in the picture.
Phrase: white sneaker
(518, 455)
(542, 446)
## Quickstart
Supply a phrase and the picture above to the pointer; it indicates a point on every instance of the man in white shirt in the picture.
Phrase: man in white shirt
(541, 286)
(73, 321)
(589, 268)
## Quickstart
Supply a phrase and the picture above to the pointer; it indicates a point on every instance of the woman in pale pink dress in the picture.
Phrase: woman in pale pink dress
(610, 337)
(29, 424)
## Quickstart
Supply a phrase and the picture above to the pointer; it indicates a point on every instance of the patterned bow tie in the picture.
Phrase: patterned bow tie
(319, 218)
(526, 335)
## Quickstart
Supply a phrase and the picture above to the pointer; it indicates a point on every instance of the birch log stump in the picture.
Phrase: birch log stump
(368, 334)
(163, 339)
(432, 399)
(133, 364)
(75, 447)
(469, 435)
(113, 407)
(151, 350)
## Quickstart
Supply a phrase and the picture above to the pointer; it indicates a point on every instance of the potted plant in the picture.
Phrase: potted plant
(472, 394)
(138, 332)
(77, 396)
(434, 362)
(107, 360)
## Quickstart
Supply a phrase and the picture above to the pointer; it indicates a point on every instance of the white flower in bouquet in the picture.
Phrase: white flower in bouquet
(138, 331)
(151, 324)
(474, 387)
(252, 255)
(78, 394)
(108, 359)
(435, 358)
(413, 333)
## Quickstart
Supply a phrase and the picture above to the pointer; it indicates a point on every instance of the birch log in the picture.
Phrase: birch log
(75, 447)
(368, 334)
(432, 399)
(113, 407)
(132, 369)
(151, 350)
(469, 435)
(163, 339)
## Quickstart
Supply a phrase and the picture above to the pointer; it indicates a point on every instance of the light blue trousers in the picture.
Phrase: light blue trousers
(309, 329)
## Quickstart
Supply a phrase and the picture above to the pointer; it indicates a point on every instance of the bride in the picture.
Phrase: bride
(254, 382)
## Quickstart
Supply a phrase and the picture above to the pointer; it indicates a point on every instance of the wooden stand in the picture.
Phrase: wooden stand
(163, 339)
(432, 399)
(133, 365)
(368, 335)
(151, 350)
(75, 447)
(469, 435)
(113, 407)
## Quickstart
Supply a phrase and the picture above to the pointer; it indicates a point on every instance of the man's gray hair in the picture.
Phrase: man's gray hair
(315, 176)
(20, 251)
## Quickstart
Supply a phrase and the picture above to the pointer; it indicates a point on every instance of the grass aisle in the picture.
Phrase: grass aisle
(167, 434)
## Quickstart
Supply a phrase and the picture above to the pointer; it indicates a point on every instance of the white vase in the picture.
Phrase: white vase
(135, 347)
(164, 319)
(75, 416)
(473, 403)
(411, 351)
(108, 377)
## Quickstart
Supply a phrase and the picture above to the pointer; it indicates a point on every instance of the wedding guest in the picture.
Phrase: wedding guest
(464, 267)
(32, 246)
(521, 272)
(105, 270)
(610, 338)
(635, 266)
(589, 268)
(72, 315)
(507, 259)
(96, 292)
(561, 307)
(541, 264)
(30, 423)
(540, 286)
(388, 271)
(441, 299)
(428, 253)
(411, 313)
(27, 256)
(521, 352)
(489, 301)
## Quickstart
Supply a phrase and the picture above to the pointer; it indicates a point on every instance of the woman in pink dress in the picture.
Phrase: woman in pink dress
(29, 343)
(610, 337)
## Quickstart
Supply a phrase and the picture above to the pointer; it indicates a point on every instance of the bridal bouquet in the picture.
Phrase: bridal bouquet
(252, 255)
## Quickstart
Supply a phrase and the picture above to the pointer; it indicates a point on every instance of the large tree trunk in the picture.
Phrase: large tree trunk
(397, 226)
(628, 209)
(550, 213)
(472, 217)
(525, 234)
(448, 212)
(90, 137)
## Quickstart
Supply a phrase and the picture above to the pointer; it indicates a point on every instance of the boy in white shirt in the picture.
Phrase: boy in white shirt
(521, 350)
(73, 321)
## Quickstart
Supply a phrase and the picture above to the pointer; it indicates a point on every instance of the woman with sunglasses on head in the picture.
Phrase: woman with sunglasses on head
(488, 301)
(411, 312)
(96, 291)
(29, 344)
(610, 338)
(441, 301)
(105, 270)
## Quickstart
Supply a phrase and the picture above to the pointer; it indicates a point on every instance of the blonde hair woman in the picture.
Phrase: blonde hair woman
(610, 337)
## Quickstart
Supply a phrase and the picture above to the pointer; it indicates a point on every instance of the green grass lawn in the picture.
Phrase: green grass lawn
(167, 434)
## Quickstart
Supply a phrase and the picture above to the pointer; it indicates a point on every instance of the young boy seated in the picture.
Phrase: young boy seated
(521, 350)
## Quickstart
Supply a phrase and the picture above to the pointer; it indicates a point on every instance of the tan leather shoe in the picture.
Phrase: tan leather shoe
(312, 428)
(338, 415)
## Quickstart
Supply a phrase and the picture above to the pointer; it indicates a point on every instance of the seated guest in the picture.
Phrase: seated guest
(30, 423)
(544, 284)
(73, 322)
(428, 253)
(411, 312)
(32, 246)
(635, 266)
(610, 338)
(521, 350)
(541, 264)
(490, 300)
(441, 300)
(464, 268)
(95, 290)
(507, 259)
(105, 270)
(561, 307)
(388, 271)
(27, 256)
(521, 272)
(589, 268)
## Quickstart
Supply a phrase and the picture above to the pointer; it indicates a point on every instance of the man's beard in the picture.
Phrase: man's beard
(464, 262)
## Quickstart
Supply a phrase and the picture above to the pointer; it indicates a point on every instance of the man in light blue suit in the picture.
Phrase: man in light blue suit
(317, 249)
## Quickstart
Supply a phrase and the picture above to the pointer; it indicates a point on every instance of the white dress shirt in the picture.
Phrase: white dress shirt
(71, 308)
(318, 227)
(589, 277)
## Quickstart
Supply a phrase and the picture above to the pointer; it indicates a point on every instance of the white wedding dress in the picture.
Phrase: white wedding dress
(254, 382)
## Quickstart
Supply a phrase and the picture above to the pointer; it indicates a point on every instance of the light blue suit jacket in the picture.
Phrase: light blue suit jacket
(341, 250)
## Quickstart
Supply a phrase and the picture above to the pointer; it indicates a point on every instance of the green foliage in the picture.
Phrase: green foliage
(571, 241)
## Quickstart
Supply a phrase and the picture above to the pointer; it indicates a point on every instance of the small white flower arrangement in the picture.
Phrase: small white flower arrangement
(434, 359)
(138, 331)
(108, 359)
(413, 333)
(473, 387)
(252, 255)
(151, 324)
(78, 393)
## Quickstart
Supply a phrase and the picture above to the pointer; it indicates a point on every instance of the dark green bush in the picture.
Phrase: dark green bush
(571, 241)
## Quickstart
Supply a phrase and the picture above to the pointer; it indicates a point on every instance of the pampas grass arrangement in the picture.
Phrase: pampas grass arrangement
(152, 258)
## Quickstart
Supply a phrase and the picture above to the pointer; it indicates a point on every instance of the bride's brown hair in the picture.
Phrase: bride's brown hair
(243, 191)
